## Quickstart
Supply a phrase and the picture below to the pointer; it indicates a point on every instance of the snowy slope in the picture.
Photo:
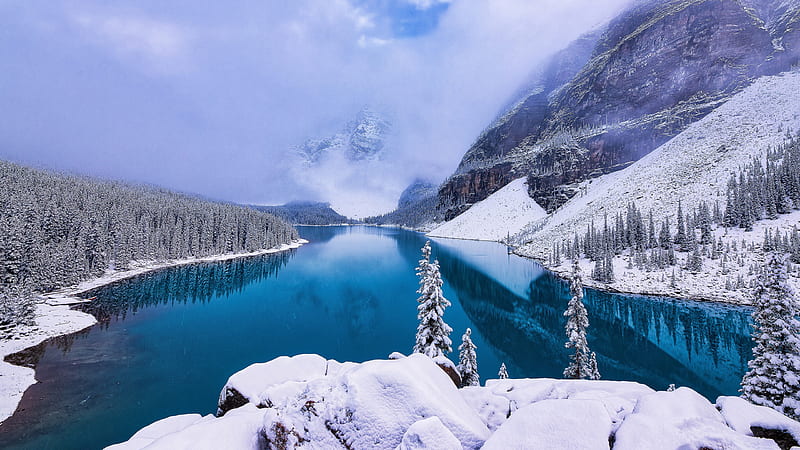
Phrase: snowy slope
(307, 402)
(692, 167)
(505, 212)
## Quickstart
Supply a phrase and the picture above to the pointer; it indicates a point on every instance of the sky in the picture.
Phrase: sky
(210, 97)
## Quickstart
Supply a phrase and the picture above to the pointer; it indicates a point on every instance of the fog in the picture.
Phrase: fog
(209, 97)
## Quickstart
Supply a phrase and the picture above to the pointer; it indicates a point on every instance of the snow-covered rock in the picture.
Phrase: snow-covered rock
(503, 213)
(555, 424)
(680, 419)
(410, 403)
(429, 433)
(248, 384)
(239, 429)
(743, 417)
(159, 429)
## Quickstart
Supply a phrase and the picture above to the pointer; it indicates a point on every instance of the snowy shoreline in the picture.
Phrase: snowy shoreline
(54, 317)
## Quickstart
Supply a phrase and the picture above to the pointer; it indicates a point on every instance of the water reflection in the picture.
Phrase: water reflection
(652, 340)
(190, 284)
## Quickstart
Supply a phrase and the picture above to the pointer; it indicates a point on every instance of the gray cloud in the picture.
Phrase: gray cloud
(207, 97)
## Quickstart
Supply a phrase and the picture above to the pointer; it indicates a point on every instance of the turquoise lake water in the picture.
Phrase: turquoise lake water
(167, 341)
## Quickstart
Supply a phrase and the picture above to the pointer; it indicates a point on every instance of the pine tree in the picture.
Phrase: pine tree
(594, 373)
(468, 361)
(423, 268)
(433, 334)
(680, 236)
(503, 373)
(774, 376)
(694, 262)
(577, 322)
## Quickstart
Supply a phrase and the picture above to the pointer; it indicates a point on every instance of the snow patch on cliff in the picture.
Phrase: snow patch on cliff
(501, 214)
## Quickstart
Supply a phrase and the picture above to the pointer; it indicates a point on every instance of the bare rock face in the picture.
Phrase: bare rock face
(653, 70)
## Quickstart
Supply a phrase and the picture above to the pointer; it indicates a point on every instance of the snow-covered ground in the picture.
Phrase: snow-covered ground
(55, 318)
(501, 214)
(309, 402)
(694, 166)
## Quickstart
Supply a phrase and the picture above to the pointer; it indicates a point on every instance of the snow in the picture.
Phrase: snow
(503, 213)
(554, 424)
(159, 429)
(410, 403)
(680, 419)
(428, 434)
(740, 415)
(253, 380)
(236, 430)
(693, 166)
(53, 318)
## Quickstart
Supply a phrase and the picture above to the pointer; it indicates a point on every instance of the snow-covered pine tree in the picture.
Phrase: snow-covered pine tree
(423, 267)
(594, 373)
(774, 376)
(503, 373)
(577, 322)
(433, 334)
(680, 236)
(468, 361)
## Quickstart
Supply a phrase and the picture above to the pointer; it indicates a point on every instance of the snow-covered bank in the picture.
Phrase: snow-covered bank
(51, 321)
(501, 214)
(309, 402)
(55, 318)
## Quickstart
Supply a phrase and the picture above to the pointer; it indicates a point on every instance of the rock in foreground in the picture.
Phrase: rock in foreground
(409, 402)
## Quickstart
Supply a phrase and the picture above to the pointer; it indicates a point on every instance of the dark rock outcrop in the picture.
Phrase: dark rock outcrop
(230, 399)
(783, 438)
(653, 70)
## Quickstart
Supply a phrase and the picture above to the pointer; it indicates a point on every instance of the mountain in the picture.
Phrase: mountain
(362, 138)
(305, 213)
(416, 207)
(613, 96)
(416, 191)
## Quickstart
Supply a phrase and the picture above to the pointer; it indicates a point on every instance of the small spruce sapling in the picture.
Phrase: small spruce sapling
(468, 361)
(503, 373)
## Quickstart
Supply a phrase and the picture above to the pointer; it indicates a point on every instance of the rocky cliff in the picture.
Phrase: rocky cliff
(615, 95)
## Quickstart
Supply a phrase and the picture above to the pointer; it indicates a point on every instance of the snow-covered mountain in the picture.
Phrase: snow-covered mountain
(352, 168)
(694, 166)
(362, 138)
(614, 96)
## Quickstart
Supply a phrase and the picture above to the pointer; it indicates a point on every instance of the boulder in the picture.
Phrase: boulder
(246, 385)
(680, 419)
(759, 421)
(428, 434)
(555, 424)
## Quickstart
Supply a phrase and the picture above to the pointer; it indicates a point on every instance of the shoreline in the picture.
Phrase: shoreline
(55, 317)
(564, 270)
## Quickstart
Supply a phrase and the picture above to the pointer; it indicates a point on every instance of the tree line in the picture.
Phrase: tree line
(57, 230)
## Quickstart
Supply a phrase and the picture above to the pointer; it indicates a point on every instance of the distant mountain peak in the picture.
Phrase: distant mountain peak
(362, 138)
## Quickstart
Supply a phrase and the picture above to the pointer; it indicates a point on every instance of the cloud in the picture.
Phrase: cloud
(160, 45)
(425, 4)
(208, 97)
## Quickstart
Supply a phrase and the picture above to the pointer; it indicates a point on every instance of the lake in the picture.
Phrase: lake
(167, 341)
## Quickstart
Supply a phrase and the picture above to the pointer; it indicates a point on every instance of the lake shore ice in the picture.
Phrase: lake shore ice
(54, 317)
(404, 402)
